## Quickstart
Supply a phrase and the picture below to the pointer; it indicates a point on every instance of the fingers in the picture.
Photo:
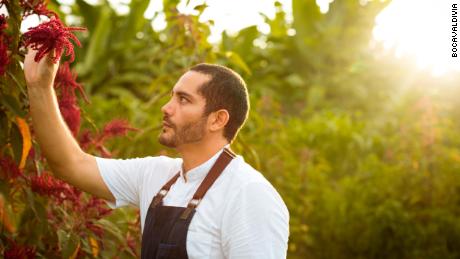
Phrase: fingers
(30, 55)
(48, 58)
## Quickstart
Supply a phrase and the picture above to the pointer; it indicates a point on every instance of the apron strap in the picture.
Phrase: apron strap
(224, 159)
(163, 191)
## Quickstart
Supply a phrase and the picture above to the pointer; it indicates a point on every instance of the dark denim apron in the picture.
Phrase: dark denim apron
(166, 227)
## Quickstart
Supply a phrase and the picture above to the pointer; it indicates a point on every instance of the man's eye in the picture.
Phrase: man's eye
(183, 99)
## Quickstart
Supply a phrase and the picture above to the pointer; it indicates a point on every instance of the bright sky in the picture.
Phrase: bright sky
(227, 15)
(419, 29)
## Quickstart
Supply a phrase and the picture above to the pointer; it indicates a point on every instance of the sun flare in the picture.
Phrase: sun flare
(421, 29)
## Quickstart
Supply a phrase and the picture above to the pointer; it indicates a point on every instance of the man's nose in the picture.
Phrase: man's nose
(167, 108)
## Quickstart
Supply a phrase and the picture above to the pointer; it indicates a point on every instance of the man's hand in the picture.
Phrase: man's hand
(40, 74)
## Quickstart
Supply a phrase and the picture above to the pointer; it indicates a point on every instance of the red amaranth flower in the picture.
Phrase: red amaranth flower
(95, 209)
(35, 7)
(65, 78)
(117, 127)
(4, 42)
(4, 57)
(69, 109)
(9, 167)
(103, 150)
(72, 116)
(16, 250)
(65, 81)
(85, 140)
(97, 230)
(47, 185)
(131, 242)
(3, 23)
(52, 35)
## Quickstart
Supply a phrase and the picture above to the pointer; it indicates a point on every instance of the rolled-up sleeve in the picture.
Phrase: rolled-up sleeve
(123, 177)
(255, 223)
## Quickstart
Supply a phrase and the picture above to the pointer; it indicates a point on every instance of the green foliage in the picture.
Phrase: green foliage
(362, 149)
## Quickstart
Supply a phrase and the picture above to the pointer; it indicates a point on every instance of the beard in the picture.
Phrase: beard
(189, 133)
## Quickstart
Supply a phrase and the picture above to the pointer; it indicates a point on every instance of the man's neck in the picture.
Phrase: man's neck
(194, 155)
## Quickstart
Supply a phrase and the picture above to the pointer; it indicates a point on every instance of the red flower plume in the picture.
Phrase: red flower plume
(85, 140)
(4, 40)
(47, 185)
(52, 35)
(69, 109)
(97, 230)
(117, 127)
(65, 78)
(4, 58)
(9, 168)
(35, 7)
(16, 250)
(95, 209)
(3, 23)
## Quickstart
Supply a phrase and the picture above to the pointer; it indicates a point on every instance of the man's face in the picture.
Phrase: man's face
(183, 120)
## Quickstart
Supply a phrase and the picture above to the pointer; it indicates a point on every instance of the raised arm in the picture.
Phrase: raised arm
(65, 157)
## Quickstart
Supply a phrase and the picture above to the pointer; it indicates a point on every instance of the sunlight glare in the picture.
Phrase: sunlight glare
(420, 29)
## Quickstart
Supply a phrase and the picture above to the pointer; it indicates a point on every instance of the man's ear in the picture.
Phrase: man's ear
(218, 119)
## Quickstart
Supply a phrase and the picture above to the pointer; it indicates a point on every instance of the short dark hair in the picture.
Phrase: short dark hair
(225, 90)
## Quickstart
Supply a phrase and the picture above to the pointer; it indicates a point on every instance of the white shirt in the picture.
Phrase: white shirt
(241, 215)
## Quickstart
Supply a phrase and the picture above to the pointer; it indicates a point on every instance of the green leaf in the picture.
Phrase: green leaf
(306, 16)
(13, 105)
(200, 8)
(54, 6)
(89, 13)
(69, 243)
(111, 228)
(20, 82)
(98, 43)
(136, 19)
(4, 128)
(236, 60)
(243, 43)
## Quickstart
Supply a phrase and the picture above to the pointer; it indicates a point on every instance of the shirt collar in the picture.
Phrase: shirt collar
(199, 172)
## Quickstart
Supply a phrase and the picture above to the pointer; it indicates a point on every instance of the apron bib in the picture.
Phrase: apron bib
(166, 227)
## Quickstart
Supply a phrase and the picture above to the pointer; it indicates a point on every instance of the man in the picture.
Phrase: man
(207, 204)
